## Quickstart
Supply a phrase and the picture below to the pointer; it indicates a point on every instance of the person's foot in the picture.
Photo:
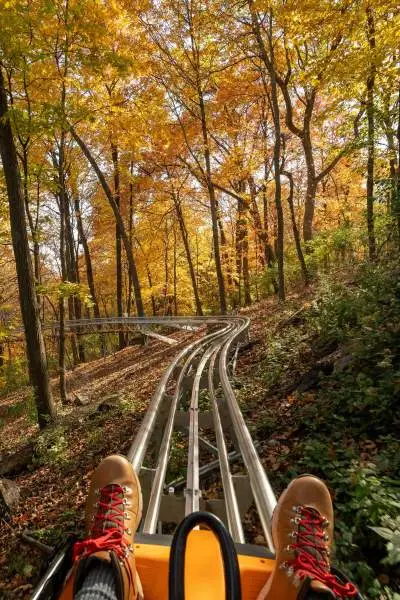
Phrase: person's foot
(302, 531)
(113, 512)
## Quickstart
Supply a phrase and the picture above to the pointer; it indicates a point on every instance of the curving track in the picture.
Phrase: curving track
(206, 363)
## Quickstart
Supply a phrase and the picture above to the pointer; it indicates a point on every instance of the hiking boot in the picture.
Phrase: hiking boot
(302, 531)
(113, 512)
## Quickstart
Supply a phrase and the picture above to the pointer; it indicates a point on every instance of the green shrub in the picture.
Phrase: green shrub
(13, 375)
(51, 447)
(389, 530)
(347, 425)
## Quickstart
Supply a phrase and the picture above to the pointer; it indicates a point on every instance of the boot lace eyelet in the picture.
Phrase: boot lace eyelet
(295, 520)
(310, 551)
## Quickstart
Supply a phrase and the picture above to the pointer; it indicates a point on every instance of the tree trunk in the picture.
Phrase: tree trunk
(153, 301)
(78, 309)
(269, 61)
(33, 229)
(119, 220)
(88, 259)
(175, 280)
(242, 245)
(130, 233)
(118, 253)
(371, 140)
(61, 196)
(262, 231)
(224, 251)
(296, 234)
(309, 206)
(213, 205)
(184, 234)
(207, 161)
(74, 310)
(268, 249)
(27, 294)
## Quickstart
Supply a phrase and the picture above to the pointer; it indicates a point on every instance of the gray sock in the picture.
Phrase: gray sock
(99, 583)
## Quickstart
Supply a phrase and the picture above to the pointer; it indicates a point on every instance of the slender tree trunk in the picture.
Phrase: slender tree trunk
(207, 161)
(78, 309)
(242, 245)
(269, 61)
(238, 251)
(213, 205)
(118, 218)
(88, 259)
(27, 294)
(118, 253)
(184, 234)
(309, 205)
(296, 234)
(25, 170)
(61, 307)
(153, 301)
(224, 251)
(71, 273)
(130, 233)
(371, 140)
(166, 270)
(268, 249)
(246, 272)
(262, 231)
(175, 273)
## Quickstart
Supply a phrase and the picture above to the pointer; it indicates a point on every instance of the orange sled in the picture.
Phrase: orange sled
(202, 562)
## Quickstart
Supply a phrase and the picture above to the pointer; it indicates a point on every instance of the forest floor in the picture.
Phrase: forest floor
(53, 488)
(283, 381)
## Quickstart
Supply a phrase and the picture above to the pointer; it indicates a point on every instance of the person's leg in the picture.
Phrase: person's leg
(302, 531)
(99, 583)
(104, 563)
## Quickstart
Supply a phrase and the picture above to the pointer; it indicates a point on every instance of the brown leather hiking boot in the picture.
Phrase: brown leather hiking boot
(113, 512)
(302, 531)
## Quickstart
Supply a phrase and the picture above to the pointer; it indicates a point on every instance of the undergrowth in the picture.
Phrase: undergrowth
(344, 427)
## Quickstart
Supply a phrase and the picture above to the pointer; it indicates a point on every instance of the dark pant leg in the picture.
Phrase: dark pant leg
(99, 583)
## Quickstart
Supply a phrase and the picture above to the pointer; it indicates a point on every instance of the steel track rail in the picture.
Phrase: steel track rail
(151, 518)
(212, 357)
(218, 350)
(138, 449)
(263, 494)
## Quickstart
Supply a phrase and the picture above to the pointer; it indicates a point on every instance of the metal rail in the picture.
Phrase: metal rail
(209, 356)
(202, 364)
(150, 523)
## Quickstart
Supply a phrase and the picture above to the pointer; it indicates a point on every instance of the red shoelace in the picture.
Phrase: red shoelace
(311, 554)
(108, 528)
